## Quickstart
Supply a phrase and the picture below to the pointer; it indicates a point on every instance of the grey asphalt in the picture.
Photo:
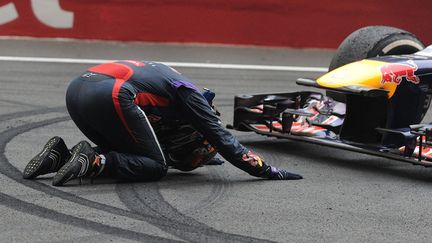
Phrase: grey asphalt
(344, 196)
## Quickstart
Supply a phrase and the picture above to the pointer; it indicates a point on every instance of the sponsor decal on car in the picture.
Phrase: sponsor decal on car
(394, 72)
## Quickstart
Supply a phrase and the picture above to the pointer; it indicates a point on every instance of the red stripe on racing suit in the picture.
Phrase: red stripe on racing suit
(121, 73)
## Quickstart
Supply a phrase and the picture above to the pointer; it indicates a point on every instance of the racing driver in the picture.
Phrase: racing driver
(123, 108)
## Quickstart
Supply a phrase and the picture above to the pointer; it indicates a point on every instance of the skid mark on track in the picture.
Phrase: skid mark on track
(19, 103)
(146, 198)
(43, 212)
(198, 231)
(7, 169)
(219, 191)
(19, 114)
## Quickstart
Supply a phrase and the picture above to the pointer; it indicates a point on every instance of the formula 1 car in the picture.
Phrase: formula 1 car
(374, 102)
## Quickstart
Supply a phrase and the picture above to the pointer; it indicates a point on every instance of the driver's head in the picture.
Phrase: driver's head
(187, 149)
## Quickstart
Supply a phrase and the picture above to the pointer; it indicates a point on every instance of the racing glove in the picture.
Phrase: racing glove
(268, 171)
(273, 173)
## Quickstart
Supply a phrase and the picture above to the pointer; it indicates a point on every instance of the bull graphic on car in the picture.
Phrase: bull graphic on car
(394, 72)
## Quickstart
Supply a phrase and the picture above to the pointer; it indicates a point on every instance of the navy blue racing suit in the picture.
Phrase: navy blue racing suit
(116, 105)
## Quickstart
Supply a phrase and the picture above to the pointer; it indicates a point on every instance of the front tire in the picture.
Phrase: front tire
(372, 41)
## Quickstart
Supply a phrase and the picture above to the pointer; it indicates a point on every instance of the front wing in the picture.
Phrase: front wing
(288, 116)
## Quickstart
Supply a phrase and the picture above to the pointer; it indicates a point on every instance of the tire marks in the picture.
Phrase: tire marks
(19, 114)
(13, 102)
(219, 190)
(10, 171)
(146, 198)
(42, 212)
(147, 205)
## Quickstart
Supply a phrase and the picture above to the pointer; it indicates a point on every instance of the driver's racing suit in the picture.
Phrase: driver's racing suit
(119, 105)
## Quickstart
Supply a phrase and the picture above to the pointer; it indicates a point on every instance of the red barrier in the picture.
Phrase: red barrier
(322, 24)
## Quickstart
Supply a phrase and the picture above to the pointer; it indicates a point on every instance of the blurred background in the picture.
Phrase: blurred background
(281, 23)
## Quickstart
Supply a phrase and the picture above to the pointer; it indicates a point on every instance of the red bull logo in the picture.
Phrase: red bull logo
(394, 72)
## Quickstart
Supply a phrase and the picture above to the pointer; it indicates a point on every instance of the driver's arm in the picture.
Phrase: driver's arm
(199, 113)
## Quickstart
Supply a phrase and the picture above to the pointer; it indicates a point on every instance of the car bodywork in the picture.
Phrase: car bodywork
(384, 100)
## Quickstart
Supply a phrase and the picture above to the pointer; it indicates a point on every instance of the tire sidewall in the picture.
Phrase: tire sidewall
(372, 41)
(396, 44)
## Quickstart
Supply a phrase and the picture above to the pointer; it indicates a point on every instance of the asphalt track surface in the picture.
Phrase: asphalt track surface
(344, 196)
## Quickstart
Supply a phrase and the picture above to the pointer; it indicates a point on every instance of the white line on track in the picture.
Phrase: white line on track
(173, 64)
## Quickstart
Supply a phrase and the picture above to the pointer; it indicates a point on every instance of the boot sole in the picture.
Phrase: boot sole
(64, 174)
(33, 167)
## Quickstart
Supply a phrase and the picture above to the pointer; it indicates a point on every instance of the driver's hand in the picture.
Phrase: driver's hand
(269, 172)
(273, 173)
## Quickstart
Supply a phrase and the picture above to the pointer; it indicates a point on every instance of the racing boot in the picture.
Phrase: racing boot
(52, 157)
(84, 162)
